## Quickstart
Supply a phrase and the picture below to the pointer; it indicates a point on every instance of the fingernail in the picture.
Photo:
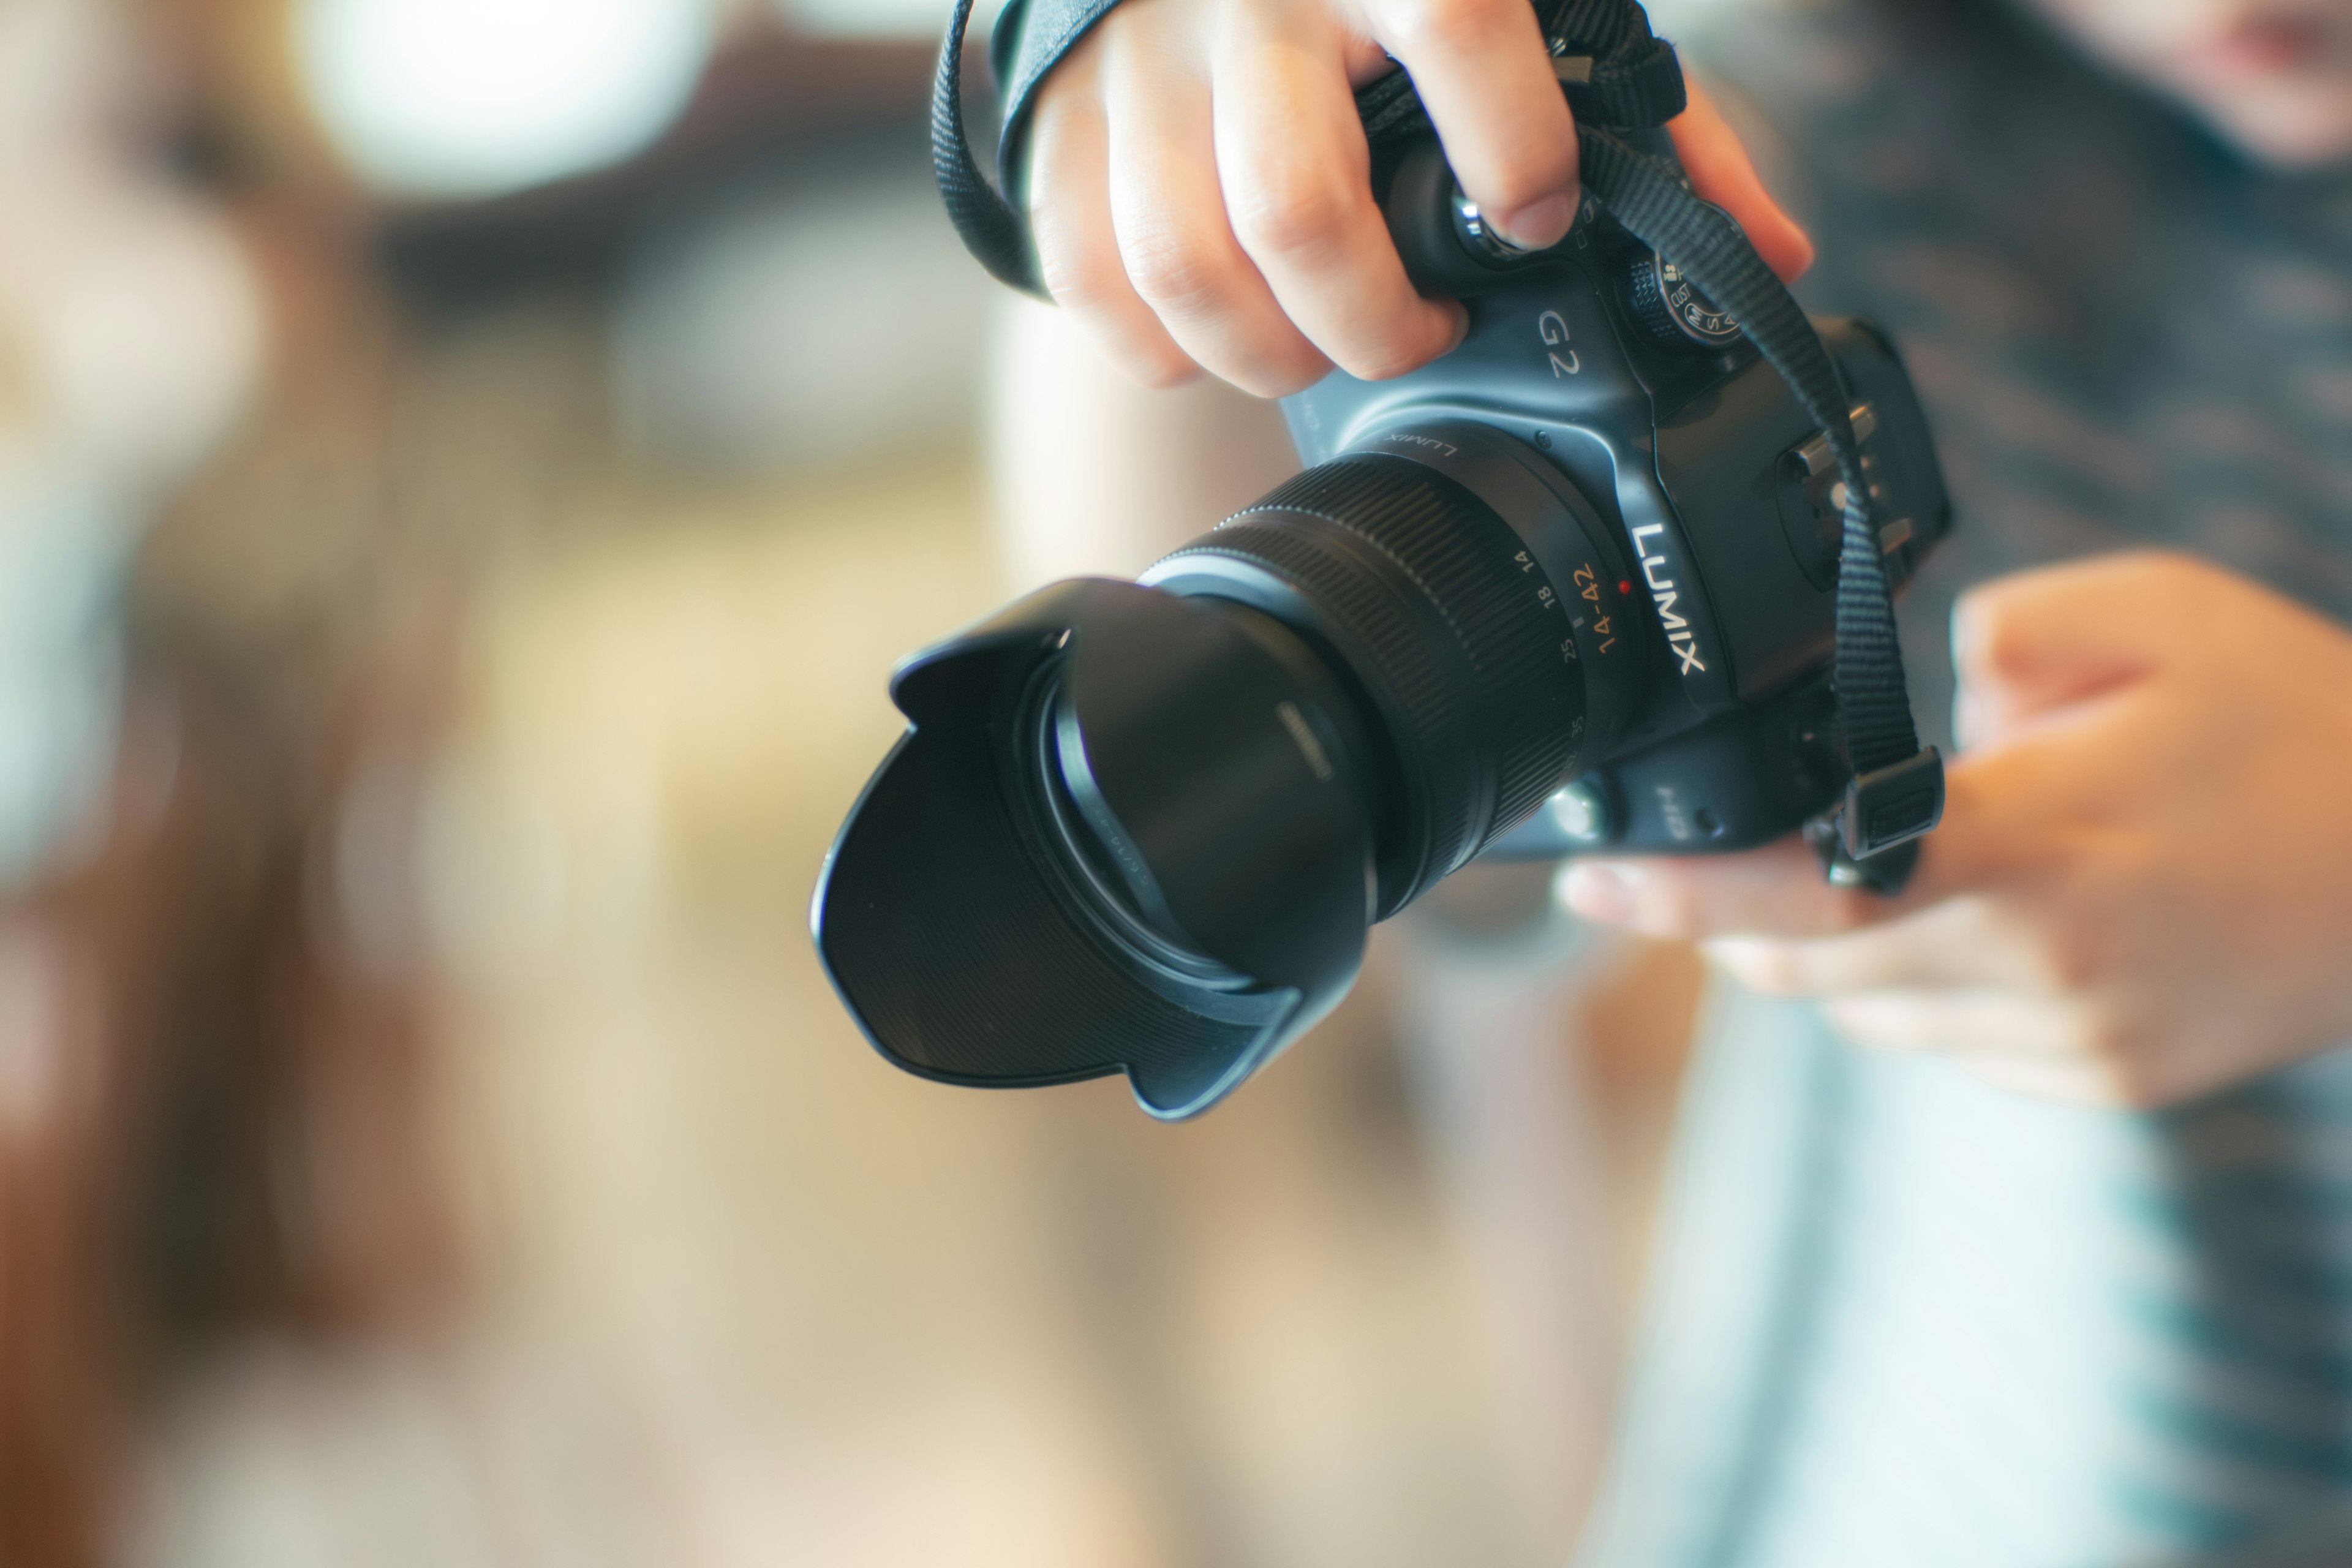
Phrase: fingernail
(1596, 891)
(1539, 224)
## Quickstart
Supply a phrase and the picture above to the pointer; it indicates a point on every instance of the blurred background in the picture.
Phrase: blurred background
(467, 468)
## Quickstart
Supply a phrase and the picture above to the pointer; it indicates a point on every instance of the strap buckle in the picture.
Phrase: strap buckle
(1892, 805)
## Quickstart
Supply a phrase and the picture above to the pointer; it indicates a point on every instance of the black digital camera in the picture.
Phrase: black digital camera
(1569, 588)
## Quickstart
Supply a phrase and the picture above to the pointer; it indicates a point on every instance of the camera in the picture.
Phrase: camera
(1570, 587)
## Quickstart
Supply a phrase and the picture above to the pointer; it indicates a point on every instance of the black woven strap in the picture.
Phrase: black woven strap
(1631, 82)
(995, 233)
(1898, 787)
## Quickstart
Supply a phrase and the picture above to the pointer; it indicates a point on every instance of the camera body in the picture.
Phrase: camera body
(1709, 507)
(1570, 587)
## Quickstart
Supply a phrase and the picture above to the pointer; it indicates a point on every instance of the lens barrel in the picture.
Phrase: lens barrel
(1438, 614)
(1145, 827)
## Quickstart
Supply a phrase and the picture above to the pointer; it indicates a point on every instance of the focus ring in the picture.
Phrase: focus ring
(1474, 571)
(1357, 603)
(1400, 558)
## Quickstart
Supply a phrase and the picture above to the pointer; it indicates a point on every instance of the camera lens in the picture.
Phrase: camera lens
(1145, 827)
(1194, 833)
(1443, 620)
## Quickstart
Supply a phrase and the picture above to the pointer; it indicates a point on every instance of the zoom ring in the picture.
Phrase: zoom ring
(1456, 631)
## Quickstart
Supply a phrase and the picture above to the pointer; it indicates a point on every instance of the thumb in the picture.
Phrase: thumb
(2030, 645)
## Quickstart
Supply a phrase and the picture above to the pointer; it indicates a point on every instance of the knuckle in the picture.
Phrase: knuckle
(1290, 212)
(1278, 380)
(1386, 352)
(1383, 360)
(1081, 282)
(1405, 24)
(1409, 24)
(1159, 369)
(1179, 273)
(1089, 286)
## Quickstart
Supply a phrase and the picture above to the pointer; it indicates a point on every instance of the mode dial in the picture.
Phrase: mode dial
(1674, 310)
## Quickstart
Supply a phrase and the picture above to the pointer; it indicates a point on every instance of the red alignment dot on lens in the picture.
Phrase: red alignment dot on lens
(1624, 585)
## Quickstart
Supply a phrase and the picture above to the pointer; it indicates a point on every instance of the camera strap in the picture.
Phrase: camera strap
(1631, 82)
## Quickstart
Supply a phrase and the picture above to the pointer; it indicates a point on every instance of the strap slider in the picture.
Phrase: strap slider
(1893, 805)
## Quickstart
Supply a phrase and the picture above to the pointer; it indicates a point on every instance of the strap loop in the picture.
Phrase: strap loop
(1874, 703)
(1641, 89)
(996, 234)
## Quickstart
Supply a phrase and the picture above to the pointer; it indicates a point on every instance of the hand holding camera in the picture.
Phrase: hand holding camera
(1200, 189)
(2144, 875)
(1612, 574)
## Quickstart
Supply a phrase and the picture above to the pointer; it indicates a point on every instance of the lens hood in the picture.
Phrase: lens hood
(1126, 831)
